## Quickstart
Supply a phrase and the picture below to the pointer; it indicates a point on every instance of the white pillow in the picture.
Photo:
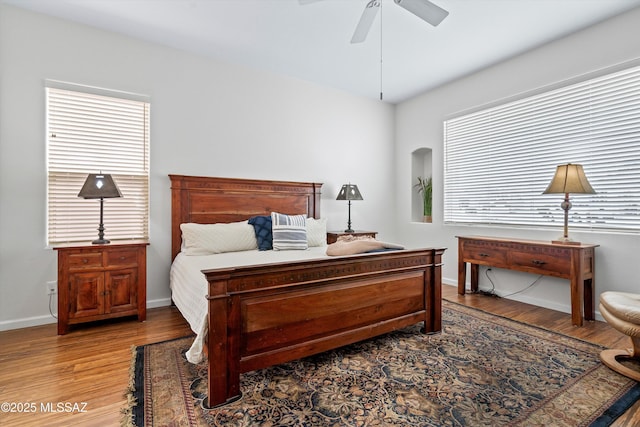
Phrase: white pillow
(317, 232)
(206, 239)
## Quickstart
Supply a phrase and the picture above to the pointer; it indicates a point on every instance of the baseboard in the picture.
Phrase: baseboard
(28, 322)
(156, 303)
(563, 308)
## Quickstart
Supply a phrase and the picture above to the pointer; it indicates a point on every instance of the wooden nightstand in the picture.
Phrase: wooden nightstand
(97, 282)
(333, 236)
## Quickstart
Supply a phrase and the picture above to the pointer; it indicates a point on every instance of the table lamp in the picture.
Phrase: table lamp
(99, 186)
(569, 178)
(349, 192)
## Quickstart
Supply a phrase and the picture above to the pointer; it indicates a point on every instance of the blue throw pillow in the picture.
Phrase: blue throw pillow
(263, 229)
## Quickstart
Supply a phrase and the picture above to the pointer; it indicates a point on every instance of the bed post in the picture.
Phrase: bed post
(178, 208)
(317, 195)
(433, 293)
(224, 375)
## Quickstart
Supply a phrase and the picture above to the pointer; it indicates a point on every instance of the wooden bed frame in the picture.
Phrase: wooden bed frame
(269, 314)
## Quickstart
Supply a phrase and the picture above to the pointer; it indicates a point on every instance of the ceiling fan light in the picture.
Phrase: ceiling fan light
(425, 10)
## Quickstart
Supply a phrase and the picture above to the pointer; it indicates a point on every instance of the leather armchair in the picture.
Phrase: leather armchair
(621, 310)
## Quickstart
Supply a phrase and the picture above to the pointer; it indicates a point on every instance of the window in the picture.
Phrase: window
(498, 161)
(92, 131)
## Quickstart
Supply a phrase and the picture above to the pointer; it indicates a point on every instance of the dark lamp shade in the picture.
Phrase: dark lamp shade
(569, 178)
(349, 192)
(99, 186)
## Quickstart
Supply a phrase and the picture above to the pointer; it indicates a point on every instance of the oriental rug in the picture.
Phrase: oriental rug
(481, 370)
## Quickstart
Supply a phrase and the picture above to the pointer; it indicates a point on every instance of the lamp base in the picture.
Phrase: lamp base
(565, 241)
(101, 242)
(348, 230)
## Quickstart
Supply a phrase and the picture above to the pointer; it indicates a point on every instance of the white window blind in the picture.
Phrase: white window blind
(498, 161)
(93, 133)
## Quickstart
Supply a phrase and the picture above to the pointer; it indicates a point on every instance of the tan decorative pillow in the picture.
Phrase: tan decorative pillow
(207, 239)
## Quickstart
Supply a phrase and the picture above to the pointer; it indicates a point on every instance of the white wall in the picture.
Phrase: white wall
(216, 119)
(419, 124)
(207, 118)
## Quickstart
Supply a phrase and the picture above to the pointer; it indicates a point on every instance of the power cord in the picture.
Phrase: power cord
(535, 282)
(492, 292)
(51, 311)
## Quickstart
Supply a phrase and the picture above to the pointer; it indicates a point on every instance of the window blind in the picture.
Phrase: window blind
(93, 133)
(499, 160)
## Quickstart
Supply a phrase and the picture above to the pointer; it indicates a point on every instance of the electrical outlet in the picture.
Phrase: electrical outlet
(52, 287)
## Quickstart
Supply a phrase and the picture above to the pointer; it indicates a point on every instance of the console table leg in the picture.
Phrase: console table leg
(576, 301)
(589, 302)
(462, 277)
(475, 275)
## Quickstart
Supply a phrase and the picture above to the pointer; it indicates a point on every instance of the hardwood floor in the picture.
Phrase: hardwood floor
(90, 365)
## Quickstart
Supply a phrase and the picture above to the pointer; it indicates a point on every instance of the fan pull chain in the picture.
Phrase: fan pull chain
(381, 51)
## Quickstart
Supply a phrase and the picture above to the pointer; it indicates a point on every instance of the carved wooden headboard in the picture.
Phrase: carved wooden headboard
(206, 200)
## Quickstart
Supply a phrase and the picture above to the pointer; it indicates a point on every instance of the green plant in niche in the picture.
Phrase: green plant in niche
(425, 188)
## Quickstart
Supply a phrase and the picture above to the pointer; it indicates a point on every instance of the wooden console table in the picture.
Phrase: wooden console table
(573, 262)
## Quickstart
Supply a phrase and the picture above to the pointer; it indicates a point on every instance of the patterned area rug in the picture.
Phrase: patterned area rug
(482, 370)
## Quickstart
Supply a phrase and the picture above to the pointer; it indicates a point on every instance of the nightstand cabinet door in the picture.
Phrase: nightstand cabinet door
(98, 282)
(85, 294)
(122, 290)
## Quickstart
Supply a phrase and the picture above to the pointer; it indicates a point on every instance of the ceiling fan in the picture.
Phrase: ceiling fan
(423, 9)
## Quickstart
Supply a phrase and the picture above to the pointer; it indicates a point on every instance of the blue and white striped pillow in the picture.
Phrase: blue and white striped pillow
(289, 231)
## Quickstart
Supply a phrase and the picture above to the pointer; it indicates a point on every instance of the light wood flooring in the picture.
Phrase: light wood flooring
(90, 365)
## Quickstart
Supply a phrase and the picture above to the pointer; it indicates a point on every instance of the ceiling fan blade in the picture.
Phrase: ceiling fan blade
(424, 10)
(368, 15)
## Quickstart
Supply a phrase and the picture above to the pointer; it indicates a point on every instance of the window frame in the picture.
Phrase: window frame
(505, 192)
(95, 130)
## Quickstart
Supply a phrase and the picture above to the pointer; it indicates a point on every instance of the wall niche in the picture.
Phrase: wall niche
(421, 167)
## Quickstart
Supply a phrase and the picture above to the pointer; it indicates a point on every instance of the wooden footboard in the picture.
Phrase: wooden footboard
(265, 315)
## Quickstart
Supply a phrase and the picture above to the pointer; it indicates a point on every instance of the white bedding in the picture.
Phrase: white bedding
(189, 286)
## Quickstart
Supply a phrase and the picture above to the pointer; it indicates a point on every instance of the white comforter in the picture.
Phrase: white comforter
(189, 286)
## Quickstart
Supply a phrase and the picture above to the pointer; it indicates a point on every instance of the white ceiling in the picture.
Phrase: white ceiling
(312, 41)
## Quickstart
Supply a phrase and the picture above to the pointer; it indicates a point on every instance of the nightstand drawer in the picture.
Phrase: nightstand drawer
(485, 254)
(85, 260)
(542, 262)
(121, 258)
